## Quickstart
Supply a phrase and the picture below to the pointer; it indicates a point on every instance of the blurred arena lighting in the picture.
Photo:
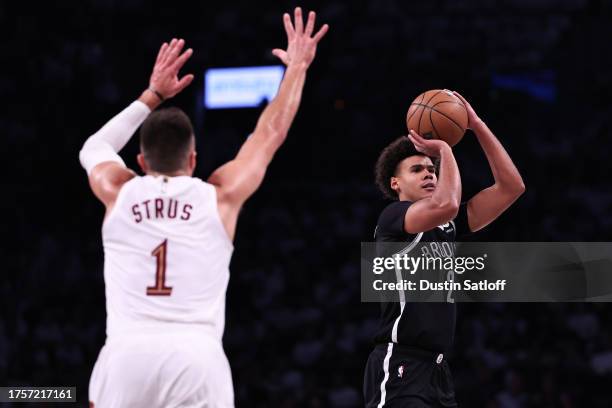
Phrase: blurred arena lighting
(539, 85)
(241, 87)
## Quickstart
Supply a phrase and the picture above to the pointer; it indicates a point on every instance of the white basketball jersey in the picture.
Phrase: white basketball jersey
(166, 257)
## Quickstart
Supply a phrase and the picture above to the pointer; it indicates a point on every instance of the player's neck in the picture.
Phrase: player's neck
(169, 174)
(403, 197)
(411, 199)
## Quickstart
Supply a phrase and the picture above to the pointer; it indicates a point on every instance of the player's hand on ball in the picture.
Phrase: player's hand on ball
(473, 118)
(429, 147)
(301, 44)
(164, 79)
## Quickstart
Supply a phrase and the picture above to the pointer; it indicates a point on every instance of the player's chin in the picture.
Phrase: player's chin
(427, 192)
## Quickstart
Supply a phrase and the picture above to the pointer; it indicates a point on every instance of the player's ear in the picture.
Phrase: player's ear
(394, 184)
(192, 161)
(142, 163)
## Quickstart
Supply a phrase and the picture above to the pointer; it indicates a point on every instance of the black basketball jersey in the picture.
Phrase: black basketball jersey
(429, 326)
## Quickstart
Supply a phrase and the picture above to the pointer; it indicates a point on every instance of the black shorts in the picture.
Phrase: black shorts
(400, 376)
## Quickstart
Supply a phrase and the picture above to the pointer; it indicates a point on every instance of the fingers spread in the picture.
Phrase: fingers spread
(174, 53)
(161, 53)
(321, 33)
(168, 50)
(180, 61)
(299, 23)
(184, 82)
(288, 26)
(310, 23)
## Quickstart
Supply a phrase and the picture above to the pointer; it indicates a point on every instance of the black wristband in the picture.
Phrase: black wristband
(160, 96)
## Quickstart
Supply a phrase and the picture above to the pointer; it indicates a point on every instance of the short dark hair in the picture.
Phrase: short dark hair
(388, 161)
(165, 139)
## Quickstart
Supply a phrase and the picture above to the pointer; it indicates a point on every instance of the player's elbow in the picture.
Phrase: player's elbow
(87, 156)
(516, 188)
(452, 209)
(82, 158)
(520, 188)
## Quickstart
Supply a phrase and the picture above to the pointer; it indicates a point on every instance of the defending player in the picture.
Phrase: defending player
(168, 236)
(407, 367)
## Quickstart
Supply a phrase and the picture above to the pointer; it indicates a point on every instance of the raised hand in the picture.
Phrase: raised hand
(473, 118)
(301, 44)
(429, 147)
(164, 79)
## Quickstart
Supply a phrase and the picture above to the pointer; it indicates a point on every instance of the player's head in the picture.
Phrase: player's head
(403, 173)
(167, 143)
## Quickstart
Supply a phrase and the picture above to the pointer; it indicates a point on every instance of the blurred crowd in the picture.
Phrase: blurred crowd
(297, 334)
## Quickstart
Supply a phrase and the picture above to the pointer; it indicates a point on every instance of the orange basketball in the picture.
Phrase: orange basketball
(438, 114)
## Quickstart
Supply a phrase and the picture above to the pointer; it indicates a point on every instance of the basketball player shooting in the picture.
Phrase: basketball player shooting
(168, 236)
(407, 367)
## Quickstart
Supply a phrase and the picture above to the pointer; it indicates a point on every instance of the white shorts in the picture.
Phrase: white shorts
(162, 370)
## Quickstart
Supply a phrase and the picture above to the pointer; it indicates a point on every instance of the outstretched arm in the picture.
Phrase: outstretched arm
(238, 179)
(106, 171)
(490, 203)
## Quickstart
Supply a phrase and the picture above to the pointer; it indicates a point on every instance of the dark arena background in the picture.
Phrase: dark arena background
(297, 335)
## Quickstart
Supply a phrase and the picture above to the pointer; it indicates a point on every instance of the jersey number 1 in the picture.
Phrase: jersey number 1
(160, 288)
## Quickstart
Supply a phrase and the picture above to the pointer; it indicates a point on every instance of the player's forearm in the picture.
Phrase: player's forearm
(119, 130)
(504, 171)
(113, 136)
(277, 117)
(448, 191)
